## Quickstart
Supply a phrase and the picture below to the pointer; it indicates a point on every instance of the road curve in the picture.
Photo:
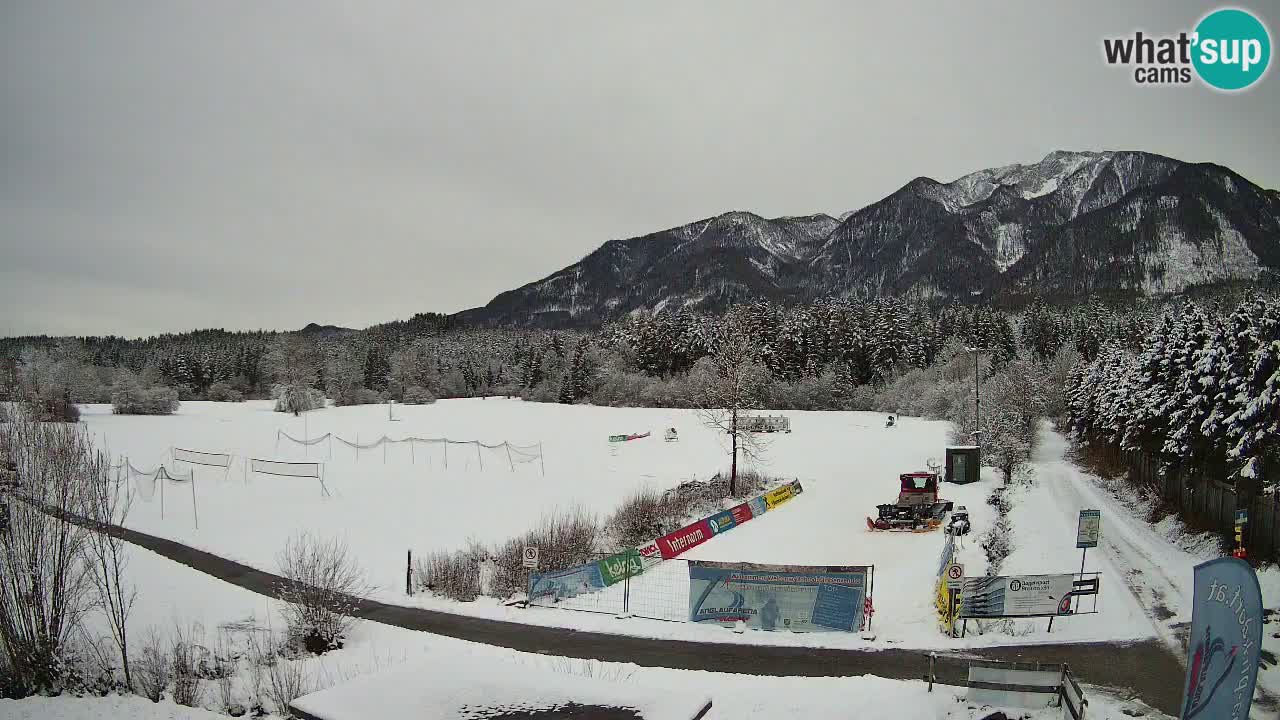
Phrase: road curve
(1147, 669)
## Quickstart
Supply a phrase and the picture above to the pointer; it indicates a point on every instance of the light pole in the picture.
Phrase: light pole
(977, 401)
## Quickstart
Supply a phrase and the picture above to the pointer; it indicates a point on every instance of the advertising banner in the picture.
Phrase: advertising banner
(799, 598)
(561, 584)
(617, 567)
(1089, 529)
(757, 506)
(729, 519)
(690, 536)
(779, 495)
(1226, 640)
(649, 553)
(1016, 596)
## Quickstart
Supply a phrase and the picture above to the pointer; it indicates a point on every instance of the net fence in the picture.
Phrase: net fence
(432, 451)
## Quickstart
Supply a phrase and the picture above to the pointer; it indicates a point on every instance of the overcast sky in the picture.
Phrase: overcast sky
(172, 165)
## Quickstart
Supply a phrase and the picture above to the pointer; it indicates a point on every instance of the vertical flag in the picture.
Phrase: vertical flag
(1226, 640)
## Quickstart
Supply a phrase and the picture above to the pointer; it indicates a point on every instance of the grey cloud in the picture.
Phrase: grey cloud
(165, 166)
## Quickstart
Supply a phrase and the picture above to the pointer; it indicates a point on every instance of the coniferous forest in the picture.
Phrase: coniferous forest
(1192, 383)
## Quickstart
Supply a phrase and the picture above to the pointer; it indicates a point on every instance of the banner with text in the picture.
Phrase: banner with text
(1226, 641)
(551, 586)
(799, 598)
(562, 584)
(1016, 596)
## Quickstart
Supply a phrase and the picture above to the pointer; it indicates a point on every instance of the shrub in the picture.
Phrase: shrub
(648, 514)
(53, 404)
(323, 584)
(453, 575)
(565, 540)
(297, 398)
(130, 398)
(418, 396)
(188, 680)
(288, 680)
(222, 392)
(152, 668)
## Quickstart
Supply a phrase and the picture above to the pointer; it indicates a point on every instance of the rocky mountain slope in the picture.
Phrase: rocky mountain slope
(1073, 224)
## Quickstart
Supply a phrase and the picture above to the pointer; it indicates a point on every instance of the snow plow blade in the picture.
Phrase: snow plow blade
(882, 526)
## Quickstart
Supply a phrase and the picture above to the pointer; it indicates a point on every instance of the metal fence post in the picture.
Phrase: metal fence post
(626, 590)
(933, 658)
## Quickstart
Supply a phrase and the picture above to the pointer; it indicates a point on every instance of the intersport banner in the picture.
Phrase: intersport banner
(799, 598)
(1226, 641)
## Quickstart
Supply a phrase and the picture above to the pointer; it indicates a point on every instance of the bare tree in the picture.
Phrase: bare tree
(726, 386)
(107, 559)
(323, 584)
(44, 582)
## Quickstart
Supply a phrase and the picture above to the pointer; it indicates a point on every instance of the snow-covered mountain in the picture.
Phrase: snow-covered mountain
(1073, 224)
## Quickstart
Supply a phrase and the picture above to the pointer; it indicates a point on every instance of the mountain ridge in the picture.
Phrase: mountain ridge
(1071, 224)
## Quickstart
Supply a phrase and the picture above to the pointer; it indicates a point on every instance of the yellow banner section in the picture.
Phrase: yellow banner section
(946, 611)
(777, 496)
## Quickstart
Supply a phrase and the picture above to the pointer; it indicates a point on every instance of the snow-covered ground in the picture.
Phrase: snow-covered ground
(1155, 561)
(847, 461)
(170, 592)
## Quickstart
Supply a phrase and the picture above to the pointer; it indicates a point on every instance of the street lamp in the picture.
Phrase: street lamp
(976, 394)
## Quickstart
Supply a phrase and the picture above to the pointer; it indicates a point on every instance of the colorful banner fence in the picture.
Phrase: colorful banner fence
(799, 598)
(555, 585)
(1226, 641)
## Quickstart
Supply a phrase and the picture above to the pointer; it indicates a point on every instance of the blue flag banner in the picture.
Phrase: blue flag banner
(1226, 641)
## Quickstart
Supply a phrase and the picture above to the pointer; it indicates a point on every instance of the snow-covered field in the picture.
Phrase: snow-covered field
(385, 504)
(172, 592)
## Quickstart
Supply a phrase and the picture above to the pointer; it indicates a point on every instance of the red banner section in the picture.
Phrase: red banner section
(741, 513)
(690, 536)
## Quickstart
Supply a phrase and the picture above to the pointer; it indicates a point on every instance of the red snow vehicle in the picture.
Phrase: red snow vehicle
(918, 508)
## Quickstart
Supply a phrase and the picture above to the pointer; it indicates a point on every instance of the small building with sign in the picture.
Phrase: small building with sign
(964, 464)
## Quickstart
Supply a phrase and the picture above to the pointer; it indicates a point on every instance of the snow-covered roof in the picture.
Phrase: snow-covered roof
(456, 687)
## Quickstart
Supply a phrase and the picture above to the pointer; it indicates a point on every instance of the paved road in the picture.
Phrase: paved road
(1145, 668)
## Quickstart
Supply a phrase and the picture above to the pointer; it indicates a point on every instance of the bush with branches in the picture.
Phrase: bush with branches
(296, 398)
(187, 655)
(453, 575)
(222, 392)
(566, 539)
(153, 667)
(322, 587)
(129, 397)
(418, 396)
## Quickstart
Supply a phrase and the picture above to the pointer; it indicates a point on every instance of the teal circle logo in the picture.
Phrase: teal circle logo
(1232, 49)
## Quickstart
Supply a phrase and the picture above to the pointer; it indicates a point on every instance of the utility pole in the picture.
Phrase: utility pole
(977, 400)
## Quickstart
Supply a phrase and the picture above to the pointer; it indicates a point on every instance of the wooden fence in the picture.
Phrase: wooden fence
(1210, 504)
